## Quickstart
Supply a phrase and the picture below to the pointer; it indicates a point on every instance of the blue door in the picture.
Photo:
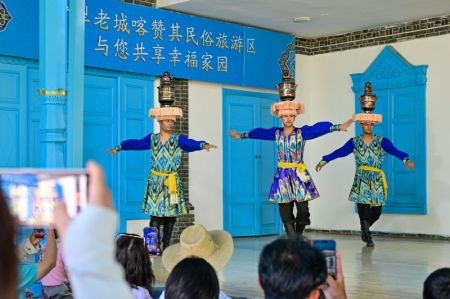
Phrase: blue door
(400, 88)
(116, 109)
(13, 115)
(249, 165)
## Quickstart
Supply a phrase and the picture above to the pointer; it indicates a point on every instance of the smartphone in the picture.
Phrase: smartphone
(39, 233)
(150, 239)
(32, 194)
(328, 249)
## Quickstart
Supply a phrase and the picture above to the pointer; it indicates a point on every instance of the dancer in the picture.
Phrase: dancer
(369, 189)
(292, 182)
(164, 199)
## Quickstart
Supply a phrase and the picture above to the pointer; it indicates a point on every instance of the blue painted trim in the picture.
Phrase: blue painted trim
(75, 101)
(52, 68)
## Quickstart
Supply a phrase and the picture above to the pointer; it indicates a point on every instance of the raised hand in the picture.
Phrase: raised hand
(112, 151)
(99, 195)
(346, 125)
(318, 167)
(209, 146)
(410, 164)
(336, 286)
(234, 134)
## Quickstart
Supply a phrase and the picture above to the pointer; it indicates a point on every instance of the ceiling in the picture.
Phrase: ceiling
(328, 17)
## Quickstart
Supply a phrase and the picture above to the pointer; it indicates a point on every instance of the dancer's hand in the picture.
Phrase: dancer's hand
(410, 164)
(346, 125)
(209, 146)
(99, 194)
(336, 287)
(234, 134)
(319, 166)
(112, 151)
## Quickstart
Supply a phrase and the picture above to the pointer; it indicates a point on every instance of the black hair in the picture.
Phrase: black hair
(8, 256)
(192, 278)
(290, 269)
(437, 285)
(133, 255)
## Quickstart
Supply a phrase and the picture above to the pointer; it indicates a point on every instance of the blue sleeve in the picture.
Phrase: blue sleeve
(387, 145)
(190, 145)
(27, 276)
(263, 134)
(317, 130)
(345, 150)
(136, 144)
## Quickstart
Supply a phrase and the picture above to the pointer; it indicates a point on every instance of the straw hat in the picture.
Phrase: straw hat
(368, 118)
(166, 113)
(216, 247)
(287, 108)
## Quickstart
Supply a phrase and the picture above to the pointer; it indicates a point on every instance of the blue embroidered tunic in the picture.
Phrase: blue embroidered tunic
(367, 186)
(290, 184)
(166, 158)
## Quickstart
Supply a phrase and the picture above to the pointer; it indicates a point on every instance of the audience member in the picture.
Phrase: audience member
(437, 285)
(132, 254)
(55, 285)
(216, 247)
(89, 246)
(292, 269)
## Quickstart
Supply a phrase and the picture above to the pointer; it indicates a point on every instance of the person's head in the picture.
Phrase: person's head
(215, 246)
(367, 127)
(291, 269)
(192, 278)
(133, 256)
(8, 257)
(437, 285)
(288, 120)
(166, 125)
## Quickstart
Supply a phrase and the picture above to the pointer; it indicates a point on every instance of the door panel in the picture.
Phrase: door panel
(100, 125)
(269, 211)
(248, 166)
(240, 167)
(135, 97)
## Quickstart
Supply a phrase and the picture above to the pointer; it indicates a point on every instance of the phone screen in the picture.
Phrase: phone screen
(328, 249)
(32, 194)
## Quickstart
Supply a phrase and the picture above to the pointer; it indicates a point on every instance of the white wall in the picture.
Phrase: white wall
(332, 99)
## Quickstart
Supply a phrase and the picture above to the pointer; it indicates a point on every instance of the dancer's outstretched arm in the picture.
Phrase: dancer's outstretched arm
(345, 150)
(132, 144)
(191, 145)
(258, 133)
(322, 128)
(389, 147)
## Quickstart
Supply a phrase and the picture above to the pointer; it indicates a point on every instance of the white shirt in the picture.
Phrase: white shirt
(89, 252)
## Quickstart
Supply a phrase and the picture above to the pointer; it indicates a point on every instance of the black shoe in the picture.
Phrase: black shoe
(366, 234)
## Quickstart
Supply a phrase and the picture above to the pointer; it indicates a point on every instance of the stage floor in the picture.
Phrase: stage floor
(395, 268)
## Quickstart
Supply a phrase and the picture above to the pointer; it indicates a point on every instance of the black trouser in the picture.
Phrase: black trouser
(294, 224)
(369, 213)
(168, 225)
